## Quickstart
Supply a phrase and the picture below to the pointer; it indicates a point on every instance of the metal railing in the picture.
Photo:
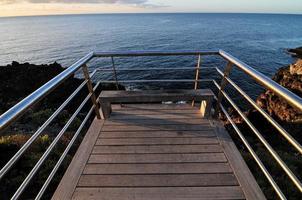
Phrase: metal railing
(18, 110)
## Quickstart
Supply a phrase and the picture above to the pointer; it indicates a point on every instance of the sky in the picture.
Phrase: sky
(56, 7)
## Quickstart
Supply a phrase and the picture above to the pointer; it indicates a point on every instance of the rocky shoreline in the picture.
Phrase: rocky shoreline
(296, 52)
(289, 77)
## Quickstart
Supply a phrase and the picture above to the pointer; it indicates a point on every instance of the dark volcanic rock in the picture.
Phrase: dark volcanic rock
(289, 77)
(19, 80)
(297, 52)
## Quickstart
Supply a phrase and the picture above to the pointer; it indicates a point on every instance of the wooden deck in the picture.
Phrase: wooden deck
(157, 151)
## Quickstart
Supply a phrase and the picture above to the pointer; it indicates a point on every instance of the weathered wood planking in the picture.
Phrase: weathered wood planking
(155, 141)
(116, 115)
(160, 193)
(153, 106)
(120, 96)
(155, 168)
(149, 149)
(156, 112)
(158, 158)
(72, 175)
(158, 134)
(158, 180)
(171, 121)
(156, 152)
(157, 127)
(248, 183)
(106, 98)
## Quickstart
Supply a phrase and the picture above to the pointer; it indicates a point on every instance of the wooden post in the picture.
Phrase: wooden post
(197, 76)
(90, 89)
(106, 109)
(223, 85)
(206, 107)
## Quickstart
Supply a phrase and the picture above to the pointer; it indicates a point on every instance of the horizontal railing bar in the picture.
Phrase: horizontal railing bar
(16, 157)
(21, 151)
(58, 164)
(284, 93)
(158, 68)
(49, 149)
(19, 109)
(281, 163)
(153, 53)
(254, 155)
(158, 81)
(285, 134)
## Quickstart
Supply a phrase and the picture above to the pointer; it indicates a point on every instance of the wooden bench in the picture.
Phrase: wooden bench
(205, 96)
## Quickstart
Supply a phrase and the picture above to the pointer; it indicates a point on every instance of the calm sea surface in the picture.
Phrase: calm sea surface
(257, 39)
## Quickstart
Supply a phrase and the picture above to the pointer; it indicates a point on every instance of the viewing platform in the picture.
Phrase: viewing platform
(157, 151)
(159, 144)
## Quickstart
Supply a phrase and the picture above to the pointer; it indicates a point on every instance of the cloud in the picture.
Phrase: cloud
(134, 3)
(142, 3)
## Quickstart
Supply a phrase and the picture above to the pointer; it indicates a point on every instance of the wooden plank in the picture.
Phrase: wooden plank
(187, 180)
(153, 106)
(157, 112)
(156, 141)
(69, 181)
(167, 168)
(162, 193)
(179, 121)
(156, 127)
(158, 134)
(158, 158)
(247, 181)
(116, 115)
(155, 95)
(157, 149)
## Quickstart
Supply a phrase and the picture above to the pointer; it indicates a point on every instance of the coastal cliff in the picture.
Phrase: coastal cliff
(289, 77)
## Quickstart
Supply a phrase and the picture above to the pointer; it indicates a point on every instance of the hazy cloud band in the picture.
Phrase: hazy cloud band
(78, 1)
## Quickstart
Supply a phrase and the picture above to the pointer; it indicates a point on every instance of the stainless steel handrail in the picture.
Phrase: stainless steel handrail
(49, 149)
(159, 81)
(154, 69)
(274, 154)
(153, 53)
(257, 159)
(284, 93)
(18, 110)
(58, 164)
(284, 133)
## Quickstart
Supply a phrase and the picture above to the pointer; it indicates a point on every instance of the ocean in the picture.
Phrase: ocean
(260, 40)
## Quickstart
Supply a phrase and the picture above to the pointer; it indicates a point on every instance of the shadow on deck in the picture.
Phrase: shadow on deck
(157, 151)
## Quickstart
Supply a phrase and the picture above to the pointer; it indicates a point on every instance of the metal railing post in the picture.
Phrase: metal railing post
(223, 85)
(90, 88)
(114, 73)
(197, 76)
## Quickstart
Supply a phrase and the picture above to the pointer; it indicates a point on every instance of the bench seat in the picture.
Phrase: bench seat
(205, 96)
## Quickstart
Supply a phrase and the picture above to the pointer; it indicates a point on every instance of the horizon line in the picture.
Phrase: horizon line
(130, 13)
